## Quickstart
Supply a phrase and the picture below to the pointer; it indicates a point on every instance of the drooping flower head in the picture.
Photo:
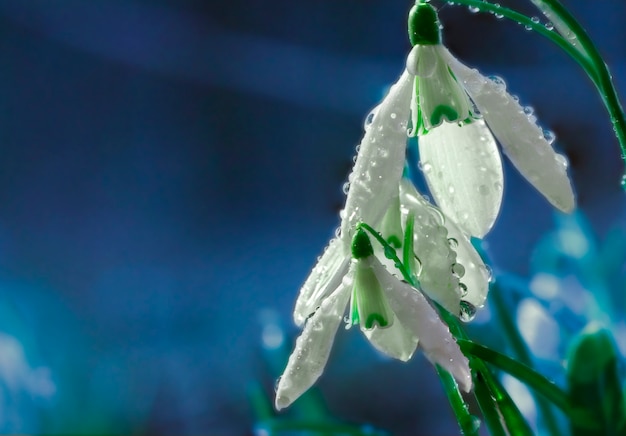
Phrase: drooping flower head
(392, 314)
(456, 112)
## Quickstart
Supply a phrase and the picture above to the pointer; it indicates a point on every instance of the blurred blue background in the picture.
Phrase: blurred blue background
(171, 169)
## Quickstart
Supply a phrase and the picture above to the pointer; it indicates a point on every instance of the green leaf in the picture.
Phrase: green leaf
(594, 382)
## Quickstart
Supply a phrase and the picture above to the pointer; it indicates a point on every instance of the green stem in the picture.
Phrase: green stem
(589, 58)
(604, 82)
(528, 376)
(469, 423)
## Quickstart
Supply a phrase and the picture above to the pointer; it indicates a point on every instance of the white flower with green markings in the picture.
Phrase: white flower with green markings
(392, 314)
(456, 112)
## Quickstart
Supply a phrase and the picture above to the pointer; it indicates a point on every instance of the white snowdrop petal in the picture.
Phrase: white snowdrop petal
(380, 161)
(309, 357)
(431, 248)
(522, 140)
(414, 312)
(323, 279)
(463, 169)
(395, 341)
(477, 276)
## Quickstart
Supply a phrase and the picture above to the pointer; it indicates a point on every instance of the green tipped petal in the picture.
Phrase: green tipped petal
(437, 95)
(369, 306)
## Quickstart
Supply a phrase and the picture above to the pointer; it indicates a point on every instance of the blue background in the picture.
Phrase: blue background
(171, 169)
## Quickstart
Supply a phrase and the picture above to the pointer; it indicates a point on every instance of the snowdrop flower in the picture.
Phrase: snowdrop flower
(456, 112)
(393, 315)
(447, 266)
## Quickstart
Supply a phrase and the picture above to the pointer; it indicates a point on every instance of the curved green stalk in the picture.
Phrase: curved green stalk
(531, 378)
(588, 58)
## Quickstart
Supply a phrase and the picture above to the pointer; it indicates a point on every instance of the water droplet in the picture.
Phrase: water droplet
(549, 136)
(418, 266)
(372, 140)
(458, 270)
(451, 189)
(369, 119)
(338, 232)
(623, 182)
(489, 274)
(453, 243)
(358, 148)
(346, 188)
(549, 26)
(390, 253)
(499, 82)
(497, 186)
(463, 289)
(468, 311)
(535, 20)
(474, 9)
(497, 14)
(277, 383)
(528, 27)
(471, 423)
(483, 189)
(425, 167)
(393, 115)
(529, 110)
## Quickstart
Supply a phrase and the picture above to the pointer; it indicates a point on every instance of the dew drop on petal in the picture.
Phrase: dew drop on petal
(489, 272)
(549, 136)
(418, 266)
(468, 311)
(393, 115)
(499, 82)
(458, 270)
(345, 188)
(369, 119)
(529, 110)
(425, 167)
(463, 288)
(453, 243)
(276, 384)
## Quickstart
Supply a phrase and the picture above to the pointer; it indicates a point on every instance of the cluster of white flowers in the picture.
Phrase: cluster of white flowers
(455, 112)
